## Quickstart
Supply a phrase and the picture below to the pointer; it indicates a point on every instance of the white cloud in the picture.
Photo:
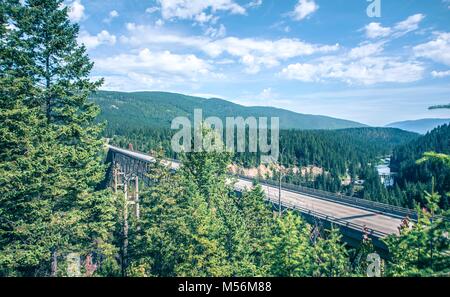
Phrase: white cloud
(254, 4)
(302, 72)
(280, 49)
(410, 24)
(267, 94)
(131, 81)
(159, 64)
(140, 35)
(152, 9)
(361, 65)
(366, 50)
(367, 71)
(76, 11)
(219, 32)
(440, 74)
(303, 9)
(202, 18)
(437, 50)
(196, 9)
(376, 30)
(252, 53)
(112, 14)
(93, 41)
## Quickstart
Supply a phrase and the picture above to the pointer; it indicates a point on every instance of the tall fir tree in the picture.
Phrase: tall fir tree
(290, 249)
(330, 256)
(25, 209)
(259, 221)
(57, 68)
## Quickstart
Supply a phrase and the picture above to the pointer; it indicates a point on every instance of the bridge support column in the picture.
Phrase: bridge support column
(136, 197)
(125, 230)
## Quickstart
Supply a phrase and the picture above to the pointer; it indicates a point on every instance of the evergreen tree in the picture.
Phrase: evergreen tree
(359, 261)
(421, 249)
(41, 47)
(289, 248)
(330, 256)
(159, 238)
(25, 224)
(259, 222)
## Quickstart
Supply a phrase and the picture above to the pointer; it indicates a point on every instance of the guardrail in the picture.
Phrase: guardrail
(333, 220)
(343, 199)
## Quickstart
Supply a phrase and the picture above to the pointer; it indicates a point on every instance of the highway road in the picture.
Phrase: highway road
(355, 217)
(381, 222)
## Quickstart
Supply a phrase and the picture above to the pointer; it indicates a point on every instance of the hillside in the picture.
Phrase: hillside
(414, 178)
(421, 126)
(339, 152)
(157, 109)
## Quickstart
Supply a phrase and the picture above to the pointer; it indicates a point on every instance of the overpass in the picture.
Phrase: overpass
(353, 216)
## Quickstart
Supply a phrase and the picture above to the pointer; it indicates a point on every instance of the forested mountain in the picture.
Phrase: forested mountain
(353, 152)
(413, 178)
(57, 220)
(158, 109)
(325, 148)
(419, 126)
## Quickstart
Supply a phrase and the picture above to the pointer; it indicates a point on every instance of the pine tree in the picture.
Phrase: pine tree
(25, 224)
(330, 256)
(158, 239)
(421, 249)
(207, 174)
(359, 261)
(41, 47)
(258, 220)
(290, 249)
(206, 254)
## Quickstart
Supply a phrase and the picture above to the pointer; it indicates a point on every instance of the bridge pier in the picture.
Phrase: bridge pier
(383, 219)
(125, 179)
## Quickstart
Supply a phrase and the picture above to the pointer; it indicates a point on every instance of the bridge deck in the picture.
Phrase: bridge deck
(354, 217)
(342, 214)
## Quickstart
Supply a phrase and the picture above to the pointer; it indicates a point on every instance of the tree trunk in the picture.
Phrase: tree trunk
(54, 263)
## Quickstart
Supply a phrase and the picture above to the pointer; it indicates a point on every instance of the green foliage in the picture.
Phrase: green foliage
(289, 248)
(359, 256)
(293, 253)
(330, 256)
(446, 106)
(51, 160)
(340, 152)
(192, 223)
(157, 109)
(422, 249)
(420, 162)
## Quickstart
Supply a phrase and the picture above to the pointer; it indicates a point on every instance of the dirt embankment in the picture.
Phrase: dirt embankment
(268, 171)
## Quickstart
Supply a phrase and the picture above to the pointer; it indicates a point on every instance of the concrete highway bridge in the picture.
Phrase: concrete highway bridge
(353, 216)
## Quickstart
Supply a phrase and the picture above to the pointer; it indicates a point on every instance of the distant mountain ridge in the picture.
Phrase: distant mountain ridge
(157, 109)
(421, 126)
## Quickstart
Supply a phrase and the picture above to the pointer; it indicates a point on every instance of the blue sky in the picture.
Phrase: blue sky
(310, 56)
